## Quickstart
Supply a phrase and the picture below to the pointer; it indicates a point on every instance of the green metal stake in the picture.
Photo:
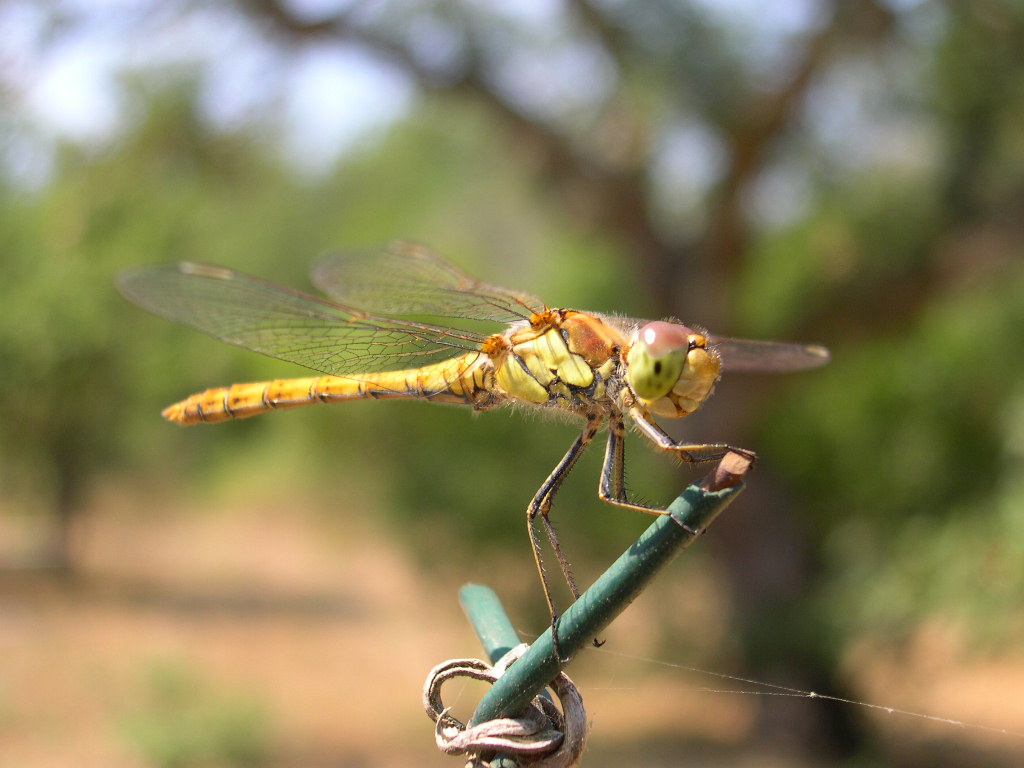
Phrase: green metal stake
(613, 591)
(488, 617)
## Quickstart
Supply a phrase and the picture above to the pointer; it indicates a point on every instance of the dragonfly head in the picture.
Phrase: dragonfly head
(670, 368)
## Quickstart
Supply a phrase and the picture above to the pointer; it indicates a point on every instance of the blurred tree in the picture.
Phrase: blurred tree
(592, 104)
(70, 380)
(851, 176)
(595, 97)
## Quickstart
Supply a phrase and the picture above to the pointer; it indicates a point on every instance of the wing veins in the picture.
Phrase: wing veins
(408, 278)
(288, 324)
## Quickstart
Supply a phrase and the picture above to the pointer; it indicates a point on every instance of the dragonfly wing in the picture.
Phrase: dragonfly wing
(768, 356)
(288, 324)
(407, 278)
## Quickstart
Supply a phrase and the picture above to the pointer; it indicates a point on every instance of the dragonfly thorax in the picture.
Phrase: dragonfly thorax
(670, 368)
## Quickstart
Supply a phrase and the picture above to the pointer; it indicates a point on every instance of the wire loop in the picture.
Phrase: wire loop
(544, 736)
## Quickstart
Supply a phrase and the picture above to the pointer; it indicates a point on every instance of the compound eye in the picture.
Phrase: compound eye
(656, 359)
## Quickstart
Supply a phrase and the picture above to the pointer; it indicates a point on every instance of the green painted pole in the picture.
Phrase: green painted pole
(494, 629)
(613, 591)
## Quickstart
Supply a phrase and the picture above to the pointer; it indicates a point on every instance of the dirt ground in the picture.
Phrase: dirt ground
(218, 637)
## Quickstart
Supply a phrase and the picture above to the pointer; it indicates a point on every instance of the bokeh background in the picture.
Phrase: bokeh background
(272, 592)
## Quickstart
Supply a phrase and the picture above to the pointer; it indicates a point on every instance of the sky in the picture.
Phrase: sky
(64, 83)
(63, 79)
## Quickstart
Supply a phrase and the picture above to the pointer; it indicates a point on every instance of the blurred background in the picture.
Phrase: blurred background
(273, 592)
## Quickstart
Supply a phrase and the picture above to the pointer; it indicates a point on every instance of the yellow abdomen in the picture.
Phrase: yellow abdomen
(459, 380)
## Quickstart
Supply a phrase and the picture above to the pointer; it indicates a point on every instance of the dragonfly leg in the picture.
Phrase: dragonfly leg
(613, 474)
(692, 453)
(541, 505)
(613, 484)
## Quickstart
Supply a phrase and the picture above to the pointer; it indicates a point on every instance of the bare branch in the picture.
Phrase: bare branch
(557, 156)
(611, 36)
(765, 118)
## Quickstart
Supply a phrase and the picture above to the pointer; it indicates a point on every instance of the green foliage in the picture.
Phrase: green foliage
(182, 723)
(903, 446)
(916, 481)
(905, 449)
(89, 372)
(445, 179)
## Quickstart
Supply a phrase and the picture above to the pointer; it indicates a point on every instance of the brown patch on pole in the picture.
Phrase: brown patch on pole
(729, 472)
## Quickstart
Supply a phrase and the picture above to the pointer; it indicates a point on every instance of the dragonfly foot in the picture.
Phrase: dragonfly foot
(555, 646)
(695, 532)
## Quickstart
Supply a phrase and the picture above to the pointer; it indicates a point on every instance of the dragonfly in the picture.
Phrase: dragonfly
(369, 340)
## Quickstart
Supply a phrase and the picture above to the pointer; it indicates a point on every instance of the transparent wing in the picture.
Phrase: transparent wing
(408, 278)
(769, 356)
(288, 324)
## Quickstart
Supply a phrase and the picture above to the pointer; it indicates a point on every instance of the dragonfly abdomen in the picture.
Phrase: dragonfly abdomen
(458, 380)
